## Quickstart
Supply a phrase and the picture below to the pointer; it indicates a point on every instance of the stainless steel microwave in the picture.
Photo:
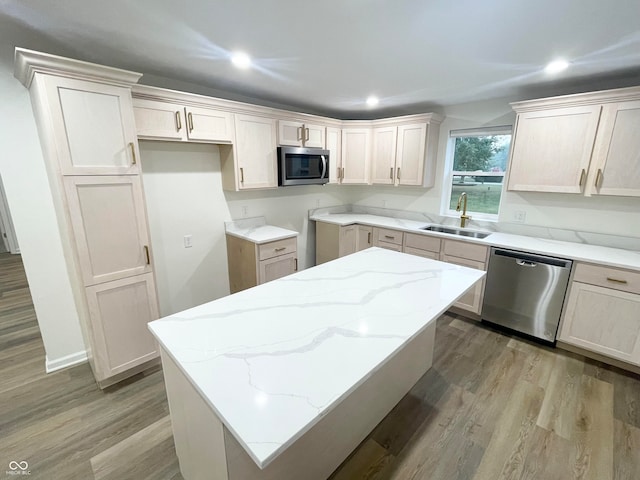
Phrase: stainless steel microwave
(302, 166)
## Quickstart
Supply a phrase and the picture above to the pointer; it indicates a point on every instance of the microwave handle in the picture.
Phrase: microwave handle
(324, 166)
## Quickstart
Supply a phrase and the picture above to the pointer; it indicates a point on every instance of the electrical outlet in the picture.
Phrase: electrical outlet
(384, 203)
(188, 241)
(245, 210)
(519, 216)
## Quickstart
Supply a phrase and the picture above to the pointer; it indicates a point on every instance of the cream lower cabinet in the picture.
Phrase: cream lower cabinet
(602, 312)
(468, 255)
(120, 311)
(388, 238)
(422, 245)
(172, 121)
(252, 264)
(335, 241)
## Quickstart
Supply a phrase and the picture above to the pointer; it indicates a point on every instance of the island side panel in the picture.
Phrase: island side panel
(242, 263)
(316, 454)
(197, 432)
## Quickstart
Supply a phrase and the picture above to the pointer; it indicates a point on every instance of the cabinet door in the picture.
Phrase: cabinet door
(334, 145)
(313, 135)
(364, 237)
(616, 158)
(255, 150)
(209, 125)
(410, 156)
(277, 267)
(356, 152)
(290, 133)
(109, 223)
(383, 171)
(472, 300)
(552, 149)
(159, 120)
(348, 240)
(119, 312)
(94, 127)
(603, 320)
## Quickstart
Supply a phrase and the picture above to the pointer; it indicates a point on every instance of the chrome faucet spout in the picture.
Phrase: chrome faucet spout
(462, 200)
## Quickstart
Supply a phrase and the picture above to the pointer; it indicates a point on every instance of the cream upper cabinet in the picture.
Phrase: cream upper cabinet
(601, 313)
(410, 156)
(552, 149)
(93, 126)
(615, 166)
(255, 151)
(334, 145)
(297, 134)
(383, 166)
(109, 222)
(585, 143)
(172, 121)
(356, 154)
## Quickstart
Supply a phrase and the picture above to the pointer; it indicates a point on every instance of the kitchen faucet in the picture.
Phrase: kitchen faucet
(464, 217)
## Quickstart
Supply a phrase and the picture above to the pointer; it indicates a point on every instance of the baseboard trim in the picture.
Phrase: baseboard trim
(64, 362)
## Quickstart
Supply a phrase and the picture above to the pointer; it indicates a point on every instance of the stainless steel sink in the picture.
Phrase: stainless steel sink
(455, 231)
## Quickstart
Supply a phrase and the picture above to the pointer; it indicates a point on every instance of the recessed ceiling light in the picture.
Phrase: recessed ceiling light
(372, 101)
(241, 60)
(556, 66)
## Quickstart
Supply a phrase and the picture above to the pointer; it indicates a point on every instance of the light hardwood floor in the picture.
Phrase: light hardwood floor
(492, 407)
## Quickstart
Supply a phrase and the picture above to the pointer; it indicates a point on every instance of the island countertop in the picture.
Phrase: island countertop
(273, 360)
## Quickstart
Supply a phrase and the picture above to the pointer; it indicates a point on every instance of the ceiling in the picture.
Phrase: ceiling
(328, 56)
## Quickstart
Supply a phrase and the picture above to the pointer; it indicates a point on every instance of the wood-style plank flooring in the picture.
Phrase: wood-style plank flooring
(492, 407)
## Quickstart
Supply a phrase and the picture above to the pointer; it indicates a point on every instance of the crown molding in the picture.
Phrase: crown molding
(578, 99)
(29, 62)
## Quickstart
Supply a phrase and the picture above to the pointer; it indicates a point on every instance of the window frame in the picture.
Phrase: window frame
(449, 172)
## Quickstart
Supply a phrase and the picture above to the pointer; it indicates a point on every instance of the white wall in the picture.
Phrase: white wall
(30, 202)
(611, 215)
(183, 189)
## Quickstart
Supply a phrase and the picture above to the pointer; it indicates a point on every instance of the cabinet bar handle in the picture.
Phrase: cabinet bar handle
(295, 261)
(391, 173)
(241, 175)
(599, 178)
(299, 133)
(280, 249)
(398, 174)
(133, 153)
(342, 173)
(306, 134)
(190, 117)
(178, 121)
(368, 238)
(338, 175)
(582, 175)
(146, 253)
(616, 280)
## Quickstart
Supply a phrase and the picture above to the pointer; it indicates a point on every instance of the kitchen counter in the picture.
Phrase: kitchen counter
(614, 257)
(257, 231)
(273, 361)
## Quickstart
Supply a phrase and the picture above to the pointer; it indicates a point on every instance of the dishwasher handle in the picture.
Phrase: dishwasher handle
(525, 259)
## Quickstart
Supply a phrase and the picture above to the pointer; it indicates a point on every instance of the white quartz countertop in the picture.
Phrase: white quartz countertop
(257, 231)
(273, 360)
(614, 257)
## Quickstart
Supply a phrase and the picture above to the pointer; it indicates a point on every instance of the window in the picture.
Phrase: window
(479, 160)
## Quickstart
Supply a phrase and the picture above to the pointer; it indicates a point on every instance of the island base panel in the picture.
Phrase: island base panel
(206, 449)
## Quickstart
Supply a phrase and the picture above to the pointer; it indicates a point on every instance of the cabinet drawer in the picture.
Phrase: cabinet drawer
(390, 246)
(422, 242)
(422, 253)
(470, 251)
(387, 236)
(615, 278)
(277, 248)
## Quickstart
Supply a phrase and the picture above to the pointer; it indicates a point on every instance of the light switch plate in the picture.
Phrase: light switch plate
(519, 216)
(188, 241)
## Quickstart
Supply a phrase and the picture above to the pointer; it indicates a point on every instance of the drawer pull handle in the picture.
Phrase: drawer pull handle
(390, 236)
(280, 249)
(616, 280)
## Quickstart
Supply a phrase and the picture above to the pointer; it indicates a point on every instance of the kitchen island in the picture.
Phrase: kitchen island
(284, 380)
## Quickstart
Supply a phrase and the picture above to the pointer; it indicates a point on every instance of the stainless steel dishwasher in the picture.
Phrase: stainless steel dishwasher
(525, 292)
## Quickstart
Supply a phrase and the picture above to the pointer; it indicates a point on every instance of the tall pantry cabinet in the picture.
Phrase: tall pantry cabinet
(88, 136)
